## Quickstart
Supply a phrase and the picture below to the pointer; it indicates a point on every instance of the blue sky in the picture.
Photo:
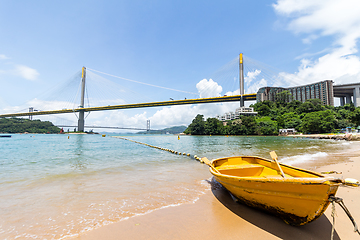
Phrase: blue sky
(174, 44)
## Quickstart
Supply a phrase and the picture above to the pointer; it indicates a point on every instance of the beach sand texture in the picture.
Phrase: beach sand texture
(216, 216)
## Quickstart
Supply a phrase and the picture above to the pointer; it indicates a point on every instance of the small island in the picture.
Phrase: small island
(22, 125)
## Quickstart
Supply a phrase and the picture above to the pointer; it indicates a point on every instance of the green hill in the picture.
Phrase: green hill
(171, 130)
(21, 125)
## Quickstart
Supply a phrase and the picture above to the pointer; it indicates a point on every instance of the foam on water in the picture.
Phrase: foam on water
(304, 158)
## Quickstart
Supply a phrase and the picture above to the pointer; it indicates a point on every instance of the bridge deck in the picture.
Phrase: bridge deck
(247, 97)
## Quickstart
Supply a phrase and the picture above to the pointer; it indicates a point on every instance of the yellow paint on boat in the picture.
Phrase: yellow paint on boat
(298, 198)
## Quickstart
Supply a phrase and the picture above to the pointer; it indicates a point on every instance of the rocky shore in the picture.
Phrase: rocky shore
(347, 136)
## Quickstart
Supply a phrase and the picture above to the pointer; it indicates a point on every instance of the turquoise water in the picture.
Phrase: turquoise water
(54, 187)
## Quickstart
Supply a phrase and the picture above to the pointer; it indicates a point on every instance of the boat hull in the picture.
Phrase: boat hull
(297, 200)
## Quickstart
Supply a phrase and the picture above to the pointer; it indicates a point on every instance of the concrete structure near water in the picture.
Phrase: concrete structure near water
(346, 91)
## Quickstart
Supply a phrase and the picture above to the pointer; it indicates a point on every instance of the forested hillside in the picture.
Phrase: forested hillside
(21, 125)
(308, 117)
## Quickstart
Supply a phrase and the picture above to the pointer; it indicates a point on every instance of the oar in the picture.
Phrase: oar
(275, 157)
(207, 162)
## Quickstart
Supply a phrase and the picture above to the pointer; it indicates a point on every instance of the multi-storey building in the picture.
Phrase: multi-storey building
(322, 90)
(238, 112)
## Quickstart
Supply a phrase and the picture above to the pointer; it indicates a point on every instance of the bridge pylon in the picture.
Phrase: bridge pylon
(241, 79)
(81, 120)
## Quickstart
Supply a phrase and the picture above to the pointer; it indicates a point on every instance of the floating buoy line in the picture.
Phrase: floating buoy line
(201, 160)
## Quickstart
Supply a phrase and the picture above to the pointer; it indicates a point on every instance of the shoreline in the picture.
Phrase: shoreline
(347, 136)
(216, 216)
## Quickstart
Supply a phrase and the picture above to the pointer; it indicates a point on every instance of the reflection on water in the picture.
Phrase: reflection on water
(78, 161)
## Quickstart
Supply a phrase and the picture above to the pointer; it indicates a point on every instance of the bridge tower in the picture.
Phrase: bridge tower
(31, 109)
(81, 120)
(241, 79)
(147, 125)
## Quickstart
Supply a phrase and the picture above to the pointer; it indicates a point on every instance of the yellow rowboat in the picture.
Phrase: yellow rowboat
(296, 195)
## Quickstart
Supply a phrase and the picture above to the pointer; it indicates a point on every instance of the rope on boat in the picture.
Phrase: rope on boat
(340, 201)
(333, 214)
(331, 172)
(201, 160)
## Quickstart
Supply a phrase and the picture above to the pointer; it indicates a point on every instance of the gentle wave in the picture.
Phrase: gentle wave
(304, 158)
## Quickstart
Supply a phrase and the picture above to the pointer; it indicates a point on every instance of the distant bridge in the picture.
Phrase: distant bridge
(126, 128)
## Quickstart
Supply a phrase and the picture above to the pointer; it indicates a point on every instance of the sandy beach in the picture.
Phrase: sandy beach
(216, 216)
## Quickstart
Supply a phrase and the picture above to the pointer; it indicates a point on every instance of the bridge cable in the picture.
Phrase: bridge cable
(275, 73)
(221, 78)
(99, 82)
(152, 85)
(74, 103)
(88, 101)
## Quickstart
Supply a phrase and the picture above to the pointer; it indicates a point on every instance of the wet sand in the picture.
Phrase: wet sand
(216, 216)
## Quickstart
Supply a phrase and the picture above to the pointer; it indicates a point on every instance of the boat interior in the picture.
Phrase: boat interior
(250, 166)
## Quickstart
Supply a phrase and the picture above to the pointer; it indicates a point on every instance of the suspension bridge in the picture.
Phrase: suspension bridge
(81, 109)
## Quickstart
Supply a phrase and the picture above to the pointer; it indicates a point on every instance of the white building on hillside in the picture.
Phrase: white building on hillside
(238, 112)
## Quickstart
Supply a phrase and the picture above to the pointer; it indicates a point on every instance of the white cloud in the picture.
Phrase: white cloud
(47, 105)
(26, 72)
(326, 18)
(3, 57)
(18, 69)
(253, 88)
(252, 83)
(208, 88)
(250, 76)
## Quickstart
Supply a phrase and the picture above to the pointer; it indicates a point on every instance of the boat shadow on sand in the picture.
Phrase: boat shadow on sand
(319, 229)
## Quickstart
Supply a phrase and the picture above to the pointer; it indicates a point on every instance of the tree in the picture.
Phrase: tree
(246, 125)
(236, 127)
(293, 105)
(343, 114)
(291, 120)
(310, 105)
(249, 124)
(213, 127)
(263, 108)
(197, 127)
(318, 105)
(266, 126)
(343, 123)
(355, 116)
(318, 122)
(349, 106)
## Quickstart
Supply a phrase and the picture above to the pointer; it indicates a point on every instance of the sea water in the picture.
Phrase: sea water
(58, 186)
